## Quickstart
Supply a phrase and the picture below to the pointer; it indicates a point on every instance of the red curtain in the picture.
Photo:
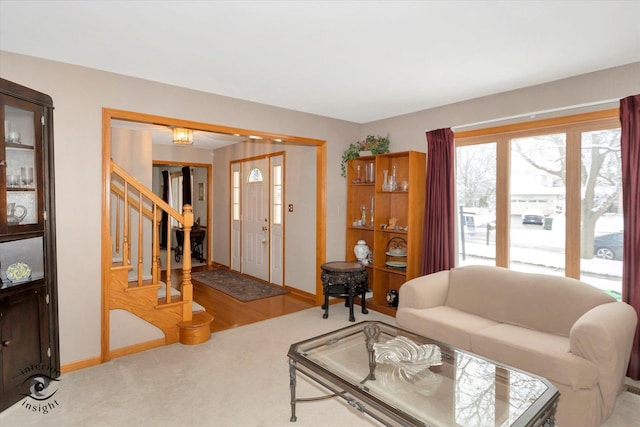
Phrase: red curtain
(186, 185)
(165, 215)
(630, 148)
(438, 248)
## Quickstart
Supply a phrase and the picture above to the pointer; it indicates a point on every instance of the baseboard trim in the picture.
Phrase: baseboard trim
(136, 348)
(302, 294)
(80, 364)
(119, 352)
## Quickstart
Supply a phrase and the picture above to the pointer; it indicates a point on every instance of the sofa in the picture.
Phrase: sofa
(562, 329)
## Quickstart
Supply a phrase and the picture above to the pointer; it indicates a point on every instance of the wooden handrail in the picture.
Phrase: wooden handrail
(134, 195)
(132, 181)
(120, 192)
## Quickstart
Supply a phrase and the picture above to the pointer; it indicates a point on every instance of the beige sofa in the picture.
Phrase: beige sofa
(567, 331)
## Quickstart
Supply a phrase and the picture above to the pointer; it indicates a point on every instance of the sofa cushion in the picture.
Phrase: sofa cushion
(537, 352)
(444, 324)
(536, 301)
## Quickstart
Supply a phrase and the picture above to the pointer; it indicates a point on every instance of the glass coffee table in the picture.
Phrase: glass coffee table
(402, 389)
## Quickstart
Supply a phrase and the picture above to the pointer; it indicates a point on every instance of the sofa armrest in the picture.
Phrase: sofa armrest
(425, 291)
(604, 335)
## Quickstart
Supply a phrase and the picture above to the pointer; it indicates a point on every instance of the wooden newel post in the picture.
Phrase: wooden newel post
(187, 287)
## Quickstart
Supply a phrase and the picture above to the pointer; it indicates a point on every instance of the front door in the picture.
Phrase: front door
(255, 218)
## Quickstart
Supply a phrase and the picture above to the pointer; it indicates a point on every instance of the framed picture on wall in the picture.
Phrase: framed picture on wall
(201, 191)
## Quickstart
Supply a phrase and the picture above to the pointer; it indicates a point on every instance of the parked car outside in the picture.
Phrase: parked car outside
(608, 246)
(533, 216)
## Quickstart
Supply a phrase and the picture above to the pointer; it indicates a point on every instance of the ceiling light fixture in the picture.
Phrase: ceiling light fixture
(182, 136)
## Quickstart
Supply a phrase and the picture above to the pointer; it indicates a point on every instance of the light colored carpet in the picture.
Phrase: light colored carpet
(238, 378)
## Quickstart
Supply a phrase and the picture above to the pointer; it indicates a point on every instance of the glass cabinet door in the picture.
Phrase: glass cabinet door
(21, 161)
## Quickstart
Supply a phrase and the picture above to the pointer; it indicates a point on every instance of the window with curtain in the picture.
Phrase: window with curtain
(544, 197)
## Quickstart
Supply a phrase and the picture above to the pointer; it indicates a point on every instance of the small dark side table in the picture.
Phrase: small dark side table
(344, 279)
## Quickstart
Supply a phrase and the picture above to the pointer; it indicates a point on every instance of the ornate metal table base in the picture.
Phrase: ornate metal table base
(461, 389)
(344, 279)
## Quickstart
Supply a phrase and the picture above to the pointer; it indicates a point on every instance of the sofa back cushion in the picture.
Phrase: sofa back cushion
(538, 301)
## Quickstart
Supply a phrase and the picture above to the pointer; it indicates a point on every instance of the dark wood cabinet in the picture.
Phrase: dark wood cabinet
(28, 287)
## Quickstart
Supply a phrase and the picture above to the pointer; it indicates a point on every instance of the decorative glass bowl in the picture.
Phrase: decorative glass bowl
(18, 272)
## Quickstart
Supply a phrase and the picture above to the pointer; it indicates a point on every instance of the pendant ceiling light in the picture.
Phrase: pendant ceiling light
(182, 136)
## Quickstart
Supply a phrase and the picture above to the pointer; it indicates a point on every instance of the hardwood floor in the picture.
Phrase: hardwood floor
(229, 313)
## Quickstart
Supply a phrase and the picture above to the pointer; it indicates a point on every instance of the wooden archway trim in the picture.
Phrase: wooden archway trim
(109, 114)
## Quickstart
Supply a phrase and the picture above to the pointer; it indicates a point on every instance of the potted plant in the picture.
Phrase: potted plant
(374, 144)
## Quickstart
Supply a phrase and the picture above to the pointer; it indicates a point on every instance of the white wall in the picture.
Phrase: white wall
(407, 132)
(79, 94)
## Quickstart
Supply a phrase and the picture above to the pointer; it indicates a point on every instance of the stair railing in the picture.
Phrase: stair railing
(131, 196)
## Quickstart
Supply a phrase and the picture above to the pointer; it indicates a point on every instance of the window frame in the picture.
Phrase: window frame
(573, 126)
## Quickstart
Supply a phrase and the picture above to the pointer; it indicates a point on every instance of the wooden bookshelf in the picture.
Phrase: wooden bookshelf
(406, 205)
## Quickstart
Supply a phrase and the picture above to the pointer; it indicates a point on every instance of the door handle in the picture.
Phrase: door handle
(265, 228)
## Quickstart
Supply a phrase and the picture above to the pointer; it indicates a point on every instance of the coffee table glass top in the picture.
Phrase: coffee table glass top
(464, 390)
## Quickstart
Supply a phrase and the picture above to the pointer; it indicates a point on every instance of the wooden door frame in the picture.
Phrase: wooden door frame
(240, 162)
(109, 114)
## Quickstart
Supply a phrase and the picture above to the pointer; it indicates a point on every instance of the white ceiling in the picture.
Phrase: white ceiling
(353, 60)
(163, 135)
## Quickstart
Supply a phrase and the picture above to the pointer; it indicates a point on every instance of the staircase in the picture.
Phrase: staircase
(136, 214)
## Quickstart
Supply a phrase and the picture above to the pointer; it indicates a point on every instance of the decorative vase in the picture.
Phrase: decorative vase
(385, 183)
(361, 251)
(393, 298)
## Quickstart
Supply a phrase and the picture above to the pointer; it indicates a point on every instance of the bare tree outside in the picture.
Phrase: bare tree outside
(476, 175)
(601, 174)
(536, 197)
(601, 182)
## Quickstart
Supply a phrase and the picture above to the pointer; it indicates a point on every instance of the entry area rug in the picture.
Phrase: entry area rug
(236, 285)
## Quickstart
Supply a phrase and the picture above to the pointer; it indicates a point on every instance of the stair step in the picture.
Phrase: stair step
(175, 296)
(162, 303)
(197, 330)
(120, 266)
(133, 287)
(162, 292)
(195, 307)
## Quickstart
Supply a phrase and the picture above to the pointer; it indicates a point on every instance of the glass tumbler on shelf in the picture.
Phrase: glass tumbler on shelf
(29, 176)
(357, 179)
(370, 172)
